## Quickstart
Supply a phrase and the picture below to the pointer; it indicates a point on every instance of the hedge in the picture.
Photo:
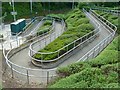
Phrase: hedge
(110, 17)
(100, 72)
(89, 77)
(45, 27)
(72, 33)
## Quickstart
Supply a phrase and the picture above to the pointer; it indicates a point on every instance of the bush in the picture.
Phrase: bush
(45, 28)
(99, 72)
(81, 21)
(85, 27)
(72, 69)
(92, 77)
(72, 33)
(113, 19)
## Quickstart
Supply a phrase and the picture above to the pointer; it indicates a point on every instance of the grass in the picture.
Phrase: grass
(100, 72)
(79, 28)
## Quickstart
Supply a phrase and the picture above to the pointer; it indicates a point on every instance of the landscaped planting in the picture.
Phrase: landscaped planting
(110, 17)
(45, 27)
(101, 72)
(77, 26)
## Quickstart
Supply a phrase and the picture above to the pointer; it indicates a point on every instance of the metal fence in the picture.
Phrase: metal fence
(115, 12)
(26, 74)
(80, 42)
(44, 75)
(27, 39)
(99, 47)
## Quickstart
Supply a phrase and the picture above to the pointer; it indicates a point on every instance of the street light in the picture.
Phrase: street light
(73, 4)
(31, 5)
(13, 10)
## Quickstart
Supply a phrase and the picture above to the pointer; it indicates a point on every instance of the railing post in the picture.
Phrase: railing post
(67, 48)
(10, 45)
(27, 77)
(74, 44)
(93, 53)
(58, 53)
(47, 77)
(45, 41)
(12, 70)
(41, 56)
(19, 42)
(99, 48)
(104, 44)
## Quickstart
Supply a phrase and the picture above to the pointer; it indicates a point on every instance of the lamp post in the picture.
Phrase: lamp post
(49, 6)
(31, 8)
(13, 10)
(73, 4)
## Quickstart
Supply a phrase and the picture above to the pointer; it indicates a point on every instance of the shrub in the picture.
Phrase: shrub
(72, 33)
(99, 72)
(72, 69)
(106, 57)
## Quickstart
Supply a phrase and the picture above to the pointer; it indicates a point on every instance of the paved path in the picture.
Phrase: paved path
(77, 54)
(23, 59)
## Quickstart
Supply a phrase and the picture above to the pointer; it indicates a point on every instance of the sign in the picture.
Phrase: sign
(13, 13)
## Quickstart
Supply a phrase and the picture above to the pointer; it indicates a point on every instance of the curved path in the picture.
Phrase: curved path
(23, 59)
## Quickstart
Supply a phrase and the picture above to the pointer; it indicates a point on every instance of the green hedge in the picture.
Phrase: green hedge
(72, 33)
(89, 77)
(100, 72)
(110, 17)
(45, 27)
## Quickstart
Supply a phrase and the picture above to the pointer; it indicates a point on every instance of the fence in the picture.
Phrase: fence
(80, 42)
(44, 75)
(116, 12)
(27, 73)
(27, 39)
(99, 47)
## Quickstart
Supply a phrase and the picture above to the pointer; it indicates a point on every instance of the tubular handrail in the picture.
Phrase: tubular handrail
(105, 10)
(57, 51)
(33, 35)
(112, 34)
(11, 63)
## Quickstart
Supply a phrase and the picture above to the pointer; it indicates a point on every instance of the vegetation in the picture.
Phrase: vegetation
(100, 72)
(112, 18)
(45, 27)
(38, 9)
(0, 87)
(80, 27)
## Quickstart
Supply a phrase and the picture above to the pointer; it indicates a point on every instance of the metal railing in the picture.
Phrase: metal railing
(25, 72)
(117, 12)
(101, 45)
(80, 42)
(19, 41)
(37, 75)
